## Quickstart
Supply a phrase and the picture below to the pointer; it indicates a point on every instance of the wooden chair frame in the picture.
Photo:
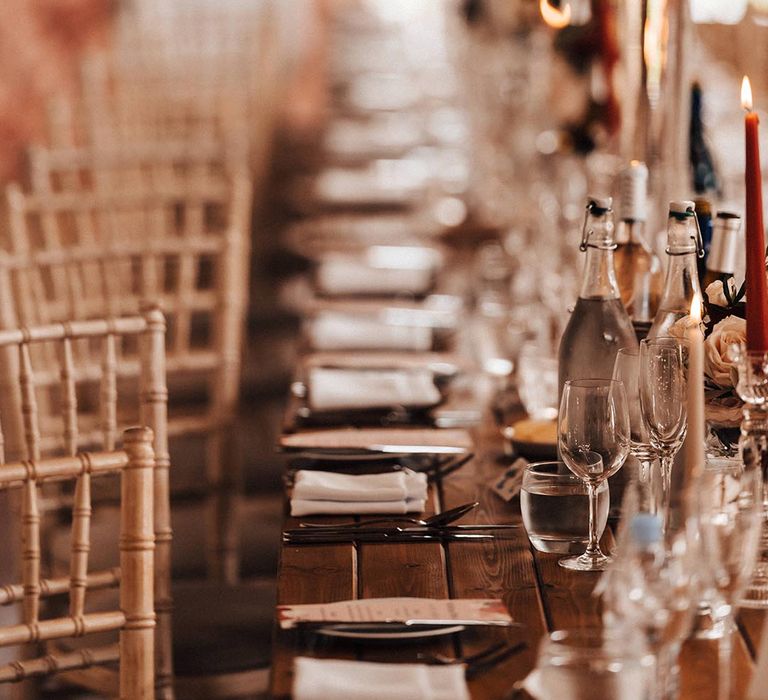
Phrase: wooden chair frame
(21, 381)
(136, 618)
(109, 258)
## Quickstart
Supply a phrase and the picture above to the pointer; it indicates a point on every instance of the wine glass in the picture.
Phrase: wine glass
(663, 402)
(731, 511)
(627, 370)
(589, 662)
(654, 583)
(593, 437)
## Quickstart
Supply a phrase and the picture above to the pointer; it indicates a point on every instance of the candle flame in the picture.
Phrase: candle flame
(696, 309)
(746, 94)
(557, 18)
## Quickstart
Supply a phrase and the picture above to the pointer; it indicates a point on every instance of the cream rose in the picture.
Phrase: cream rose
(718, 365)
(716, 294)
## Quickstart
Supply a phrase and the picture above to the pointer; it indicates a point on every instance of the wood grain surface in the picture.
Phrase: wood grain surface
(540, 595)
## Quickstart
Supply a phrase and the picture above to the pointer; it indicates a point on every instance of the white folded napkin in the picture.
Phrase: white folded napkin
(335, 331)
(346, 276)
(315, 492)
(338, 389)
(331, 486)
(320, 679)
(300, 508)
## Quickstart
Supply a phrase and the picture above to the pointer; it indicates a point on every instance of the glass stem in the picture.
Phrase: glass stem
(667, 672)
(724, 652)
(593, 548)
(666, 460)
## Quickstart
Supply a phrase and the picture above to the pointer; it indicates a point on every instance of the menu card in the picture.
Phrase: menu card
(412, 611)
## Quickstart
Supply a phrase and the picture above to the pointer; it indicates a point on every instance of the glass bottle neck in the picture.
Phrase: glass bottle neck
(599, 280)
(682, 282)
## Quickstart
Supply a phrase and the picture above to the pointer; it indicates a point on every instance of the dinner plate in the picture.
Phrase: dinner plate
(387, 630)
(535, 438)
(351, 456)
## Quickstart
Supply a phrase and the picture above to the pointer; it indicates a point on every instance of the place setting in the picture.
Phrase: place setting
(607, 383)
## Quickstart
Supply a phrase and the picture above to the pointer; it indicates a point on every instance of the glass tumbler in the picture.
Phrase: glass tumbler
(555, 507)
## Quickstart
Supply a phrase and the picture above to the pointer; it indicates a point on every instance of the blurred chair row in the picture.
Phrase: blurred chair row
(123, 294)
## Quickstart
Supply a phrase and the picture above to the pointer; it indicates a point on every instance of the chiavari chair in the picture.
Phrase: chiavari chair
(179, 72)
(134, 618)
(111, 182)
(46, 372)
(131, 234)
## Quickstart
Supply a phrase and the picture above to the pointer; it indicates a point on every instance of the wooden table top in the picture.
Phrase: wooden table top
(539, 594)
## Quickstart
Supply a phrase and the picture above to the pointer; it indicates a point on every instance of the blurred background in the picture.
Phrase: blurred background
(480, 124)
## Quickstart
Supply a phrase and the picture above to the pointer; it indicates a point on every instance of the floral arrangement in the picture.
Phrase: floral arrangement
(724, 326)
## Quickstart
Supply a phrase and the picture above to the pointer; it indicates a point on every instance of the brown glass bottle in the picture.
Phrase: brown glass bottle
(638, 269)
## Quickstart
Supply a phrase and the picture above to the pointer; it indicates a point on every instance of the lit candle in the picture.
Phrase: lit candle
(554, 17)
(694, 441)
(757, 293)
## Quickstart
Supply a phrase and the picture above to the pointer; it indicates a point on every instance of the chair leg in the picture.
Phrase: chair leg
(223, 508)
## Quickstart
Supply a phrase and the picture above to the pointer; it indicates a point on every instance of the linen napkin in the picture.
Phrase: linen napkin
(332, 389)
(320, 679)
(335, 331)
(337, 276)
(316, 492)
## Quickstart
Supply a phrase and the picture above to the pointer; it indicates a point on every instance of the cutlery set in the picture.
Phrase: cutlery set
(437, 527)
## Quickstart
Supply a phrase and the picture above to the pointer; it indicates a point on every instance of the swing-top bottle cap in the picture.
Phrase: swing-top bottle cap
(599, 203)
(682, 206)
(646, 528)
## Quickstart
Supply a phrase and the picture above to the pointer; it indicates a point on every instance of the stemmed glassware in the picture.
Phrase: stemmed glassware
(594, 438)
(593, 663)
(731, 510)
(654, 584)
(627, 370)
(663, 386)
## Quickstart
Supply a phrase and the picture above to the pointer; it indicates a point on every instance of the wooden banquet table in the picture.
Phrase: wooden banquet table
(539, 594)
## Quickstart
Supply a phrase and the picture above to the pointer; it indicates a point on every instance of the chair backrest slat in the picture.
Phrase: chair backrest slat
(69, 398)
(108, 393)
(29, 403)
(81, 530)
(30, 554)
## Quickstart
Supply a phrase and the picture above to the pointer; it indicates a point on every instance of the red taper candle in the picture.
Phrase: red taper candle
(757, 289)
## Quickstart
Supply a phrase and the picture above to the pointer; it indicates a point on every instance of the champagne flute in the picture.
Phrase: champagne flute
(594, 437)
(627, 370)
(663, 400)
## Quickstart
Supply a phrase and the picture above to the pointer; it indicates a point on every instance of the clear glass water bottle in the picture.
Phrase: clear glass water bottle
(684, 248)
(599, 324)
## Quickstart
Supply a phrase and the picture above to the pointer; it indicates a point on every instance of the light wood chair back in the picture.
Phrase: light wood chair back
(134, 232)
(180, 72)
(135, 619)
(50, 372)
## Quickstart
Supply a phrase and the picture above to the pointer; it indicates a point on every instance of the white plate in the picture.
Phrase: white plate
(387, 631)
(351, 456)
